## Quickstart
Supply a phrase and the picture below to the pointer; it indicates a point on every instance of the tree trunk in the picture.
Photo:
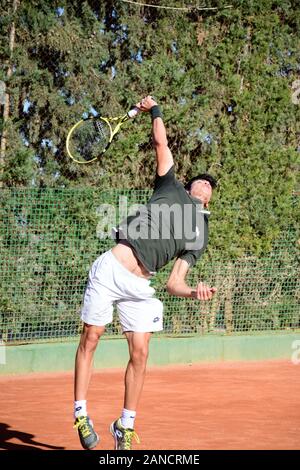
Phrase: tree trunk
(7, 97)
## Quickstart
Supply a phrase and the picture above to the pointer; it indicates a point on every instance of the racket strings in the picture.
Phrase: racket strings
(90, 140)
(100, 128)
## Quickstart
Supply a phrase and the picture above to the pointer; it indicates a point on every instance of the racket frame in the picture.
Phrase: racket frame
(120, 120)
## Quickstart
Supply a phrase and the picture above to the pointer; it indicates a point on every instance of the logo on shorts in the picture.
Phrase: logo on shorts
(156, 319)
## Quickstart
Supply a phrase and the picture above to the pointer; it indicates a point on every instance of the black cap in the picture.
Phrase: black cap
(205, 176)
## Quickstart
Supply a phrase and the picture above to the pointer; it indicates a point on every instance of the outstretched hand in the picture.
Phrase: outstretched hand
(146, 104)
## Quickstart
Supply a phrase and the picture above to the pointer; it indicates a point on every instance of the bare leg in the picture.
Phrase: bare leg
(84, 359)
(138, 344)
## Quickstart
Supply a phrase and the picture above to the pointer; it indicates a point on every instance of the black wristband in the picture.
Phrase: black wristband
(155, 112)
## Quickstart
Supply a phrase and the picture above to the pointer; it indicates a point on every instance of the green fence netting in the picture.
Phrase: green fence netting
(50, 237)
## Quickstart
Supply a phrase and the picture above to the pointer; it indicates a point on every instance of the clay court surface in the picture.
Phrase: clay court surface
(205, 406)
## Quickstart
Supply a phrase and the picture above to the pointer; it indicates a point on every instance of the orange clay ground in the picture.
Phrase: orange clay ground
(253, 405)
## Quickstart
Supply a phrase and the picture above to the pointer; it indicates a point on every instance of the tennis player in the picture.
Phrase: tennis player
(174, 224)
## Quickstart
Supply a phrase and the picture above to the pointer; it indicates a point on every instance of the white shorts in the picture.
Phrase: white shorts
(111, 283)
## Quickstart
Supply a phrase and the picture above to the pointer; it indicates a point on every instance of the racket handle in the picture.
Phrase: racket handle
(133, 112)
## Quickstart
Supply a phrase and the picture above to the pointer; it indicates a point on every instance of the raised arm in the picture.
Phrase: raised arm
(177, 285)
(164, 157)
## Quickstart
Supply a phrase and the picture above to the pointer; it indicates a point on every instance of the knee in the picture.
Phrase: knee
(90, 338)
(139, 356)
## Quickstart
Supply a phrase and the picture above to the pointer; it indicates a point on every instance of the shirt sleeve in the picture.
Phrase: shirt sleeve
(165, 180)
(191, 257)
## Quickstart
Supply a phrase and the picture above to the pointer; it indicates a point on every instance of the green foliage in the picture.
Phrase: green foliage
(224, 80)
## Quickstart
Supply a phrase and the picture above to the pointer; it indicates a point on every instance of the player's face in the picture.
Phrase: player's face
(201, 189)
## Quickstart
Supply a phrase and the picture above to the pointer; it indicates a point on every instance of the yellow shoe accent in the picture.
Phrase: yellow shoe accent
(123, 436)
(82, 424)
(130, 434)
(88, 437)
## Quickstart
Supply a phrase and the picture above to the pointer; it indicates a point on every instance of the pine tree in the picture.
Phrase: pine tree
(223, 77)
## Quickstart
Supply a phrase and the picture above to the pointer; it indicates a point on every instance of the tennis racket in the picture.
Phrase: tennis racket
(90, 138)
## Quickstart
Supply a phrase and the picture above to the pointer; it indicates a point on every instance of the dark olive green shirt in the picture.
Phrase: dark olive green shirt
(171, 225)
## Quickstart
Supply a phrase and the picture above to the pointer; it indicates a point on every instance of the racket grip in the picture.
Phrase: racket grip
(133, 112)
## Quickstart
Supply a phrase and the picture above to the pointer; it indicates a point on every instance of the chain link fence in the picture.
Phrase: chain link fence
(50, 237)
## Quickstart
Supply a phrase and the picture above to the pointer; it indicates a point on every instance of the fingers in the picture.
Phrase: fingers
(146, 103)
(205, 292)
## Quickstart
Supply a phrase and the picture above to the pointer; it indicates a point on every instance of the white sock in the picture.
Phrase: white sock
(80, 408)
(127, 418)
